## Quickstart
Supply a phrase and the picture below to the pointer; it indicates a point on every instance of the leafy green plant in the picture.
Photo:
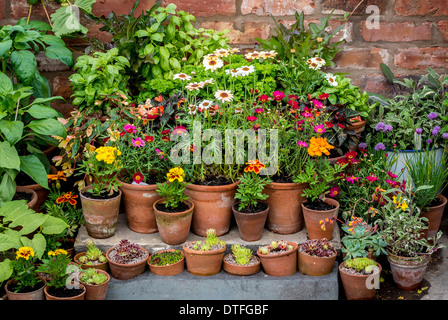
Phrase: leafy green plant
(24, 276)
(173, 189)
(164, 258)
(92, 276)
(65, 20)
(58, 267)
(242, 254)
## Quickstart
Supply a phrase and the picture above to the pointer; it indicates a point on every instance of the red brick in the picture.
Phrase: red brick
(2, 9)
(251, 31)
(104, 7)
(350, 5)
(205, 8)
(397, 32)
(421, 58)
(421, 7)
(361, 58)
(20, 9)
(442, 25)
(277, 7)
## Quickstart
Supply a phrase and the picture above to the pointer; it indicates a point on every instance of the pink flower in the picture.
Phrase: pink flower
(259, 110)
(179, 130)
(334, 192)
(264, 98)
(302, 144)
(129, 128)
(392, 175)
(372, 178)
(160, 153)
(293, 103)
(319, 128)
(317, 103)
(278, 95)
(392, 183)
(256, 126)
(137, 142)
(352, 179)
(251, 118)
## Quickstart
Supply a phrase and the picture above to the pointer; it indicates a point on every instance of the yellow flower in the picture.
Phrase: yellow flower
(319, 146)
(403, 205)
(107, 154)
(57, 252)
(25, 252)
(176, 173)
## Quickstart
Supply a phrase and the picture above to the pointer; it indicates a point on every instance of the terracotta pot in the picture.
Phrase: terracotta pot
(250, 225)
(32, 204)
(313, 265)
(80, 296)
(213, 207)
(174, 227)
(126, 271)
(359, 287)
(37, 294)
(138, 203)
(333, 161)
(203, 263)
(167, 270)
(407, 272)
(312, 218)
(241, 270)
(434, 216)
(282, 264)
(101, 266)
(285, 211)
(97, 291)
(100, 215)
(357, 127)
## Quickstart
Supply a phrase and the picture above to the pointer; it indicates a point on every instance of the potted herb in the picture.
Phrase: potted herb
(241, 261)
(279, 258)
(96, 282)
(127, 260)
(250, 210)
(360, 277)
(316, 257)
(174, 211)
(167, 262)
(204, 257)
(93, 258)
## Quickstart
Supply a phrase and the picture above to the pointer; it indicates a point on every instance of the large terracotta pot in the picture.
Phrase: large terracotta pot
(174, 227)
(203, 263)
(359, 287)
(285, 211)
(282, 264)
(100, 215)
(250, 225)
(434, 216)
(97, 291)
(167, 270)
(241, 270)
(37, 294)
(213, 207)
(80, 296)
(313, 218)
(138, 203)
(127, 271)
(32, 204)
(408, 272)
(314, 265)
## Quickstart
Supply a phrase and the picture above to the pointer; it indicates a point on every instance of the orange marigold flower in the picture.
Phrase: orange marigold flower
(67, 197)
(319, 146)
(254, 166)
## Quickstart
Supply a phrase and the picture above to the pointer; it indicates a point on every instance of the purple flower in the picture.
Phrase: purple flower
(419, 130)
(363, 145)
(432, 115)
(380, 146)
(428, 141)
(445, 135)
(388, 128)
(435, 130)
(380, 126)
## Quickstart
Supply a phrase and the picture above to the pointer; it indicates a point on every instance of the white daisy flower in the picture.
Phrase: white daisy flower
(246, 70)
(211, 56)
(194, 86)
(212, 64)
(222, 52)
(268, 54)
(252, 55)
(192, 109)
(208, 81)
(316, 63)
(181, 76)
(331, 79)
(223, 95)
(233, 72)
(204, 105)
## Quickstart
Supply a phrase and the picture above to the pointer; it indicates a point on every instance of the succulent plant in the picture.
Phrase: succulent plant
(275, 246)
(318, 247)
(210, 242)
(241, 254)
(166, 258)
(364, 265)
(93, 254)
(126, 252)
(92, 276)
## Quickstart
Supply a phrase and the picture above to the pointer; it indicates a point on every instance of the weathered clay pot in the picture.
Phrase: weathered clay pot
(97, 291)
(434, 216)
(167, 270)
(126, 271)
(100, 215)
(359, 287)
(80, 296)
(357, 127)
(102, 266)
(37, 294)
(250, 225)
(285, 211)
(203, 263)
(174, 227)
(313, 265)
(32, 204)
(138, 203)
(282, 264)
(313, 218)
(241, 270)
(408, 272)
(213, 207)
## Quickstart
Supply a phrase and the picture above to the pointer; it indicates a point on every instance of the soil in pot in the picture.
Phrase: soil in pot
(180, 208)
(319, 206)
(231, 266)
(35, 292)
(53, 293)
(20, 195)
(213, 181)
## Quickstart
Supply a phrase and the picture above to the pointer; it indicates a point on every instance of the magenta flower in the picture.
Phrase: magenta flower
(352, 179)
(179, 130)
(137, 142)
(392, 175)
(129, 128)
(259, 110)
(318, 104)
(160, 153)
(278, 95)
(302, 144)
(334, 192)
(251, 118)
(319, 128)
(372, 178)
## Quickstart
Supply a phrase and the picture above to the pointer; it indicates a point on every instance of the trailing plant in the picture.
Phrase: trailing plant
(318, 248)
(241, 254)
(278, 246)
(165, 258)
(211, 242)
(92, 276)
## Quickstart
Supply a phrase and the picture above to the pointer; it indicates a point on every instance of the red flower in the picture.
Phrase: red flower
(67, 197)
(341, 126)
(137, 178)
(329, 124)
(149, 138)
(264, 98)
(165, 132)
(372, 178)
(391, 174)
(351, 155)
(254, 166)
(293, 103)
(323, 96)
(159, 98)
(251, 118)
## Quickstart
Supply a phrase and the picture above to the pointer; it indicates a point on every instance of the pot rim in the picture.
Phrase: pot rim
(130, 264)
(97, 285)
(97, 200)
(241, 266)
(394, 257)
(286, 185)
(189, 203)
(210, 252)
(67, 298)
(224, 187)
(326, 199)
(317, 257)
(250, 213)
(287, 253)
(168, 265)
(31, 292)
(359, 275)
(442, 198)
(78, 255)
(149, 187)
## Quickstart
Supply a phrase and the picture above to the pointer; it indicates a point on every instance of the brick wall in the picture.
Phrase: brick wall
(413, 34)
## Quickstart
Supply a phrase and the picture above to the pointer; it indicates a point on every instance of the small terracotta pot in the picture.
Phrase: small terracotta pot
(100, 215)
(80, 296)
(32, 204)
(167, 270)
(102, 266)
(174, 227)
(203, 263)
(434, 216)
(313, 218)
(126, 271)
(241, 270)
(37, 294)
(408, 272)
(359, 287)
(282, 264)
(313, 265)
(138, 203)
(250, 225)
(357, 127)
(97, 291)
(213, 207)
(285, 210)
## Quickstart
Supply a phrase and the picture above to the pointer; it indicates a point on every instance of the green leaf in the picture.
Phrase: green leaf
(25, 65)
(12, 130)
(54, 225)
(5, 269)
(38, 243)
(9, 158)
(5, 84)
(65, 21)
(85, 5)
(34, 168)
(60, 53)
(4, 47)
(48, 127)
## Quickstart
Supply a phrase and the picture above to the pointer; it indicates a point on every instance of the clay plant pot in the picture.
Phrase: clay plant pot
(213, 207)
(313, 218)
(357, 127)
(285, 211)
(359, 287)
(126, 271)
(203, 263)
(81, 296)
(434, 216)
(32, 204)
(314, 265)
(250, 225)
(138, 203)
(37, 294)
(97, 291)
(101, 266)
(408, 272)
(174, 227)
(241, 270)
(100, 215)
(281, 264)
(167, 270)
